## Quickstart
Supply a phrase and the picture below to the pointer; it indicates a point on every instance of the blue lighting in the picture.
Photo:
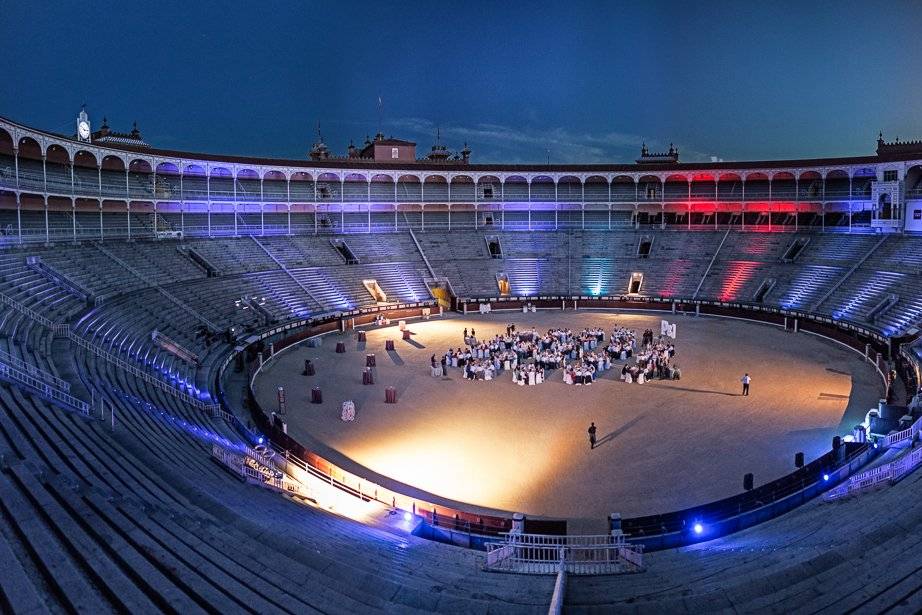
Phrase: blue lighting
(407, 516)
(698, 528)
(825, 477)
(260, 440)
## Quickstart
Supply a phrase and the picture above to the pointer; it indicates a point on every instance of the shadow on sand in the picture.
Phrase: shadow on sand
(614, 434)
(688, 390)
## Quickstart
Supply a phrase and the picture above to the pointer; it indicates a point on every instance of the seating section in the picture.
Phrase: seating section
(130, 514)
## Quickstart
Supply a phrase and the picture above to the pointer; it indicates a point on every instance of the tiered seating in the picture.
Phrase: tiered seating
(140, 519)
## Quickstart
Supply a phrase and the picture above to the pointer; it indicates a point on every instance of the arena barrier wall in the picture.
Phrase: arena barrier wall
(655, 532)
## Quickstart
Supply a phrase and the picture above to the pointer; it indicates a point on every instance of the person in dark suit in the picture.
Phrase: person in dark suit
(591, 431)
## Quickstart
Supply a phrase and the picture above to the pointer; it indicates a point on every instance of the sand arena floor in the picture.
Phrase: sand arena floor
(663, 445)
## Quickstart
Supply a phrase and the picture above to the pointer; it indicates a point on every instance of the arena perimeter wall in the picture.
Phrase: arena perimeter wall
(668, 530)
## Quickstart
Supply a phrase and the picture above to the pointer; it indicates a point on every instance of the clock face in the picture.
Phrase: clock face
(83, 129)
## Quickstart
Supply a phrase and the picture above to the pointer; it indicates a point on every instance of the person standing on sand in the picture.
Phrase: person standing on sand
(591, 431)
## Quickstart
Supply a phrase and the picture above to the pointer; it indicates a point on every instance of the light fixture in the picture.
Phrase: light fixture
(698, 528)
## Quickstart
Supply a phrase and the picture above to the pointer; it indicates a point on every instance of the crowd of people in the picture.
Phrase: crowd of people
(582, 355)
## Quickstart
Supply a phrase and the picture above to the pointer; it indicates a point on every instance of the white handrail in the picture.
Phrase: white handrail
(45, 390)
(579, 555)
(34, 371)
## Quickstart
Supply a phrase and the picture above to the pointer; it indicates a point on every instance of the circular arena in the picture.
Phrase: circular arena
(153, 302)
(524, 448)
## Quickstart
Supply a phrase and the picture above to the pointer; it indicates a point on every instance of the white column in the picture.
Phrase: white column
(208, 198)
(73, 203)
(234, 184)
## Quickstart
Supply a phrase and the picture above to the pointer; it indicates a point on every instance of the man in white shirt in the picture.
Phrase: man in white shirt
(746, 380)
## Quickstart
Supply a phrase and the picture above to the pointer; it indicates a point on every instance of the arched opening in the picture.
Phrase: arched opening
(194, 183)
(462, 189)
(595, 189)
(435, 189)
(729, 187)
(57, 167)
(31, 173)
(515, 189)
(328, 187)
(810, 186)
(7, 163)
(86, 174)
(624, 188)
(248, 188)
(861, 183)
(703, 187)
(301, 185)
(275, 187)
(913, 182)
(676, 188)
(409, 189)
(221, 184)
(114, 180)
(140, 180)
(355, 188)
(382, 188)
(885, 207)
(489, 188)
(542, 189)
(569, 189)
(837, 185)
(783, 186)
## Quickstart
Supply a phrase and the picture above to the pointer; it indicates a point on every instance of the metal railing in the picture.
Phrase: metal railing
(888, 473)
(258, 470)
(45, 390)
(34, 371)
(906, 434)
(577, 555)
(64, 330)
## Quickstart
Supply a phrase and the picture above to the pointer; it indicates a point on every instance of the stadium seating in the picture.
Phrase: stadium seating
(137, 517)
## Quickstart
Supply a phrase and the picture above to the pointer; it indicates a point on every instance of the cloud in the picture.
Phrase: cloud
(505, 144)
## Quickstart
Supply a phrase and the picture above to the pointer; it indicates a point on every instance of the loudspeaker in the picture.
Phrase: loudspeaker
(836, 443)
(747, 481)
(798, 460)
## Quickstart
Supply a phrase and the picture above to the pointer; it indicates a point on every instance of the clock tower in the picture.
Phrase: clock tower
(83, 126)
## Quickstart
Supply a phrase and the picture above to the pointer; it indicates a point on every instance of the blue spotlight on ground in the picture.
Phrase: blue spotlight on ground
(698, 528)
(825, 477)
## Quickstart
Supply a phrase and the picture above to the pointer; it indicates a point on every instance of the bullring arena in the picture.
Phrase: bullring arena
(153, 301)
(524, 448)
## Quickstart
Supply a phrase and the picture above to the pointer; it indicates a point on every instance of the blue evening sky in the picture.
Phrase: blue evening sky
(519, 81)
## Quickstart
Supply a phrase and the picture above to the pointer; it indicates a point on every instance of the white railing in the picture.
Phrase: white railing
(906, 434)
(578, 555)
(258, 471)
(19, 307)
(34, 371)
(139, 373)
(45, 390)
(887, 473)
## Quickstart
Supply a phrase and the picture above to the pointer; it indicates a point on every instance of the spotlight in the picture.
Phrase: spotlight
(876, 445)
(407, 516)
(698, 528)
(825, 477)
(260, 440)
